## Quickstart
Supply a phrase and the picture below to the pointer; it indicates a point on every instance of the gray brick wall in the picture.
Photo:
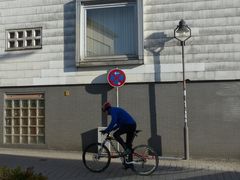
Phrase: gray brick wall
(213, 116)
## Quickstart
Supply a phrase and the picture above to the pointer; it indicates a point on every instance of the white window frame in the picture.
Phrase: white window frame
(82, 60)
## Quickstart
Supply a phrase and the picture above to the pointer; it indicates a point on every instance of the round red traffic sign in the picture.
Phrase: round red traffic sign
(116, 78)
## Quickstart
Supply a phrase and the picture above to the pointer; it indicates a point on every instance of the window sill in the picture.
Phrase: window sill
(23, 48)
(108, 62)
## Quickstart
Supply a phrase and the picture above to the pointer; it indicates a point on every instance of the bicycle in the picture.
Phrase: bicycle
(97, 157)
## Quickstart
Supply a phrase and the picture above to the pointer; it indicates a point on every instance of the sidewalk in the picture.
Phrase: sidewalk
(58, 165)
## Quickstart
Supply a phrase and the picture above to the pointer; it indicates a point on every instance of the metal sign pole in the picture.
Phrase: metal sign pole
(117, 97)
(117, 94)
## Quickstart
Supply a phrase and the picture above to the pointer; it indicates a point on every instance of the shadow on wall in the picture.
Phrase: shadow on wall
(11, 55)
(155, 44)
(89, 137)
(69, 36)
(101, 89)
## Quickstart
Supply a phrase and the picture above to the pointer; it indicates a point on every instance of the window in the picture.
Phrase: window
(109, 32)
(24, 121)
(19, 39)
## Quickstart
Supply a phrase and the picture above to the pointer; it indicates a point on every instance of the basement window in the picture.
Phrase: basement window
(24, 119)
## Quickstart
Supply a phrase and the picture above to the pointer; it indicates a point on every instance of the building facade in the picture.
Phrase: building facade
(55, 56)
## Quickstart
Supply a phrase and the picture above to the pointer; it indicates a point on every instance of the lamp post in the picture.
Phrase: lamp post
(183, 33)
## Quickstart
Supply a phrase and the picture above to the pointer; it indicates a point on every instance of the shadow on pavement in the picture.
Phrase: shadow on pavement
(65, 169)
(62, 169)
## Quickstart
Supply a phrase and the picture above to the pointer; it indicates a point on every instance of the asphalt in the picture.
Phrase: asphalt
(58, 165)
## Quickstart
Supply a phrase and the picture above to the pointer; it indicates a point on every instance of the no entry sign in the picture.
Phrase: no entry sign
(116, 78)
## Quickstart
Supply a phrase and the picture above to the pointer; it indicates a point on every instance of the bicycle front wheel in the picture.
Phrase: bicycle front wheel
(145, 160)
(96, 157)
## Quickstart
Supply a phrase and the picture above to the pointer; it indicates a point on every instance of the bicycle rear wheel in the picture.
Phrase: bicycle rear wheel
(145, 160)
(96, 157)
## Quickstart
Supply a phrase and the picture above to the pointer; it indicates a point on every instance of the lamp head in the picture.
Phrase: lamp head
(182, 32)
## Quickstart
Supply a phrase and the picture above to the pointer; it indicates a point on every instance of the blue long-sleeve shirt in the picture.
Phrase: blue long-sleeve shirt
(119, 118)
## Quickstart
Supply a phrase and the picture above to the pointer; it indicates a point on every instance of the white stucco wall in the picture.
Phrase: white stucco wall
(213, 52)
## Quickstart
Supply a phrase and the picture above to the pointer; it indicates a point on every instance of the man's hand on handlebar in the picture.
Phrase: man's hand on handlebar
(103, 131)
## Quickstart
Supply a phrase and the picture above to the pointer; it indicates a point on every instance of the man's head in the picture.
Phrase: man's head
(106, 106)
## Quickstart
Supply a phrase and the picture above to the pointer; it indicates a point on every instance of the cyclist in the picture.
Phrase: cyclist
(124, 123)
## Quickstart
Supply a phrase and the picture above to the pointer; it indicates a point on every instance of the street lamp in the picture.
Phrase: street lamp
(183, 33)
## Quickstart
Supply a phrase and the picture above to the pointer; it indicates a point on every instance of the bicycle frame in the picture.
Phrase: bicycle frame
(140, 160)
(119, 154)
(110, 140)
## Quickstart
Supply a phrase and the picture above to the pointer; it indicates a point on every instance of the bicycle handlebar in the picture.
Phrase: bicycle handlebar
(108, 133)
(103, 132)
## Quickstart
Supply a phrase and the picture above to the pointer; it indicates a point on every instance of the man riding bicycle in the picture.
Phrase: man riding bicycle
(124, 123)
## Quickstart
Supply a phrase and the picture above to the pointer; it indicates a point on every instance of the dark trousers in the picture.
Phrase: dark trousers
(129, 130)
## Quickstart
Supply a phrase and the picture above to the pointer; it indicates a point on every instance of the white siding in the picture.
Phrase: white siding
(213, 52)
